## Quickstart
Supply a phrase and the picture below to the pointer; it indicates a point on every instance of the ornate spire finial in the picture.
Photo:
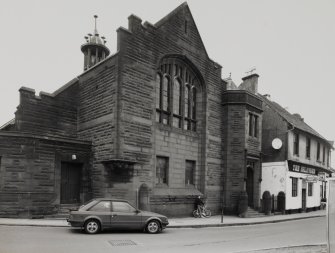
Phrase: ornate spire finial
(95, 25)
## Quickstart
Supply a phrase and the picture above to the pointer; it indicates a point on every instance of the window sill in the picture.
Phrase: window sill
(163, 127)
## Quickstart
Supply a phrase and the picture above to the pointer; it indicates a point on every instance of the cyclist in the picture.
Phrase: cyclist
(199, 204)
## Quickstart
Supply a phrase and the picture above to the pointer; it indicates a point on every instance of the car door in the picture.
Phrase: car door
(125, 216)
(102, 209)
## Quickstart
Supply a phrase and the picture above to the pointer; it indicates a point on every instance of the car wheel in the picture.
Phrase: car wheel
(153, 227)
(92, 226)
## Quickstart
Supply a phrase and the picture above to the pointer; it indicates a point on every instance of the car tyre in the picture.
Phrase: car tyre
(153, 227)
(92, 226)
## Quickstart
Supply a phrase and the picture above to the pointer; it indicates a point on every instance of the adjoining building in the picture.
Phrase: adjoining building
(154, 123)
(296, 159)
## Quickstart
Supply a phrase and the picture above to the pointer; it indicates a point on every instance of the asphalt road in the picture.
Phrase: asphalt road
(18, 239)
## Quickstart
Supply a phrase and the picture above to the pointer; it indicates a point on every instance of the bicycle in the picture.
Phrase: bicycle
(205, 212)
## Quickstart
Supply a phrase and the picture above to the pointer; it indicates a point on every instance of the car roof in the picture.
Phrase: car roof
(111, 199)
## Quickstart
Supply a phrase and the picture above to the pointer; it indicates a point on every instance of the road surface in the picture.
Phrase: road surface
(18, 239)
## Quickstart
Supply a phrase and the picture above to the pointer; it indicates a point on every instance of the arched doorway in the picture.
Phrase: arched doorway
(250, 186)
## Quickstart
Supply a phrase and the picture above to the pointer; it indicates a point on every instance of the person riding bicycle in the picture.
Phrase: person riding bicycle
(199, 204)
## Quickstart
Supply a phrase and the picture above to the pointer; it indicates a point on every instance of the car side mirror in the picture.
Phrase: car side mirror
(137, 211)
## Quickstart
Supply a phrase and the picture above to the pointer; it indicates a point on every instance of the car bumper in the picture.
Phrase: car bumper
(164, 224)
(75, 223)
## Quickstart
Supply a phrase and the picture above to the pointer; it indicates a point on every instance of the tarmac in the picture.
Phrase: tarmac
(188, 222)
(214, 221)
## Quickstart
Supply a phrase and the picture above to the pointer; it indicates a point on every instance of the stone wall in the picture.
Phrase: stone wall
(48, 114)
(30, 173)
(97, 119)
(141, 48)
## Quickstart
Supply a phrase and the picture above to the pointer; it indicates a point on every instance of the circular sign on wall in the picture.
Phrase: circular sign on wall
(277, 143)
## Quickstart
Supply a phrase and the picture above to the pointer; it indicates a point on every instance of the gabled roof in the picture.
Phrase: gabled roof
(173, 13)
(292, 119)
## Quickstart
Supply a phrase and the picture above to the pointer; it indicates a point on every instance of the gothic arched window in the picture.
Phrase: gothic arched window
(176, 103)
(177, 89)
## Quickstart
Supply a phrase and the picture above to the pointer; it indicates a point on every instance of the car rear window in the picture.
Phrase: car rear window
(102, 206)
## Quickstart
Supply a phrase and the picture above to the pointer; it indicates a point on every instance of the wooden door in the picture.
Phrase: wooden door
(250, 186)
(303, 198)
(70, 183)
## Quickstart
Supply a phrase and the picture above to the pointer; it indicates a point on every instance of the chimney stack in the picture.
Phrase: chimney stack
(250, 83)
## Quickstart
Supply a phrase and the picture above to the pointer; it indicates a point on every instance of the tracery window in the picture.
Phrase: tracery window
(177, 88)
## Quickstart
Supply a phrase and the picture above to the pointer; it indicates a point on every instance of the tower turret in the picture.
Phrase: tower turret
(94, 49)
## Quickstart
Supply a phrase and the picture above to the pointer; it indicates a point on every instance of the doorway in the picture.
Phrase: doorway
(70, 183)
(303, 199)
(250, 186)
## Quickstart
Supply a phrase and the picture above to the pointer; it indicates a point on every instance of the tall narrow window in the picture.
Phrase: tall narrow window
(166, 101)
(310, 189)
(162, 167)
(158, 97)
(189, 172)
(323, 154)
(308, 148)
(193, 108)
(250, 124)
(294, 187)
(318, 152)
(187, 107)
(255, 125)
(185, 27)
(176, 103)
(296, 144)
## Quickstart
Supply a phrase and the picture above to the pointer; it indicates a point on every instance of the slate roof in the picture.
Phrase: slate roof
(293, 119)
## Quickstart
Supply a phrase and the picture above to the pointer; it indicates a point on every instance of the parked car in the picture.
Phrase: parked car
(103, 213)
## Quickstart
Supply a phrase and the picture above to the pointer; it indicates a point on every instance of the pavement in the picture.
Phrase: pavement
(189, 222)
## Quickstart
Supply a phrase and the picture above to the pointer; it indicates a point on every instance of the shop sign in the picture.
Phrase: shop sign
(302, 169)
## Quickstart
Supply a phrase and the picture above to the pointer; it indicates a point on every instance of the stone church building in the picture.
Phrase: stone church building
(155, 124)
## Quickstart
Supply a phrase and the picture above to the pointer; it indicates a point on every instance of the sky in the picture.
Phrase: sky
(290, 43)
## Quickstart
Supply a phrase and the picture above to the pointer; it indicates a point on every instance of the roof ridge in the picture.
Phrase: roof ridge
(291, 119)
